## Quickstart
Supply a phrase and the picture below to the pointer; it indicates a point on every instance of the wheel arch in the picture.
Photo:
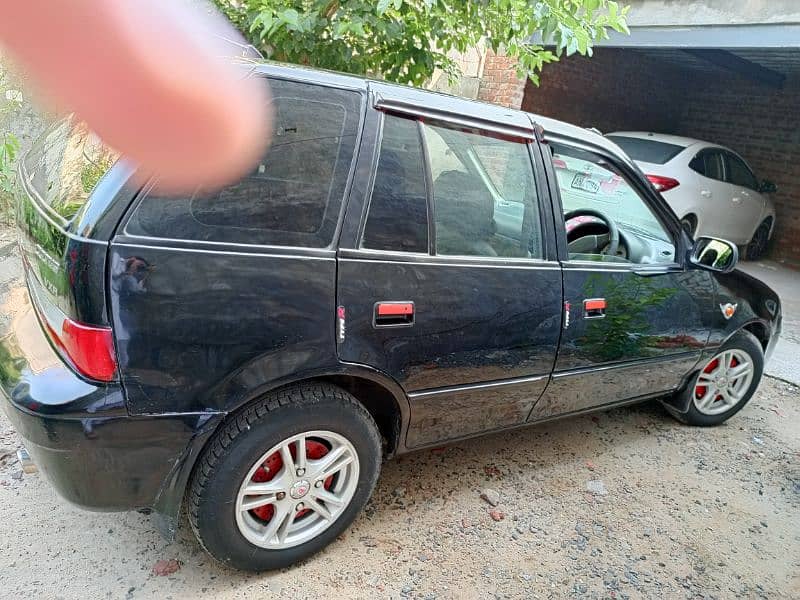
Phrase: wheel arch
(691, 215)
(768, 220)
(381, 395)
(758, 329)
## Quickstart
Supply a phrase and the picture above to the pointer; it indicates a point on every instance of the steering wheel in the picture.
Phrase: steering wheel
(613, 232)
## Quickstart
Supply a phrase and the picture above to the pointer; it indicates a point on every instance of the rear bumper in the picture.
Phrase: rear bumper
(107, 462)
(80, 435)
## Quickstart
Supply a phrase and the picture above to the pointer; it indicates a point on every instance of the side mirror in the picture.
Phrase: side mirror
(767, 187)
(714, 254)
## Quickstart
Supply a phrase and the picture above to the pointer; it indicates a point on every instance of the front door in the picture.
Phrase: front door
(449, 287)
(746, 204)
(636, 320)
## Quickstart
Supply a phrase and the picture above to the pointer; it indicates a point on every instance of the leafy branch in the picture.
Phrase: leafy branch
(407, 40)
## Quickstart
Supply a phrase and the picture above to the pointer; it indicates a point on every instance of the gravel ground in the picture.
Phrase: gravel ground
(623, 504)
(675, 512)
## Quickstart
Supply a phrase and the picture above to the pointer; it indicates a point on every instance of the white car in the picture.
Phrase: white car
(710, 188)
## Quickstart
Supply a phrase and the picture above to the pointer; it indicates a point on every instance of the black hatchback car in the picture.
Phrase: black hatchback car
(402, 269)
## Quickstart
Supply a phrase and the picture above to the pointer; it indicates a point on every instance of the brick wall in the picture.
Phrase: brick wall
(613, 90)
(499, 82)
(763, 125)
(622, 89)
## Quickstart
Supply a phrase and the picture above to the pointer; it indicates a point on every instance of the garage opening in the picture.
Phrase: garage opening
(736, 94)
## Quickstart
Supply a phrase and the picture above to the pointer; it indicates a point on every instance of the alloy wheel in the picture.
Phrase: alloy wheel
(297, 489)
(723, 382)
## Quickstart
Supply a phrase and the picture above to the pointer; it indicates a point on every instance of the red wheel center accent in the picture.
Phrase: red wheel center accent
(700, 390)
(272, 466)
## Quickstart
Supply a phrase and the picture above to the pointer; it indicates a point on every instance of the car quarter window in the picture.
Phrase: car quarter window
(739, 173)
(484, 193)
(292, 197)
(596, 197)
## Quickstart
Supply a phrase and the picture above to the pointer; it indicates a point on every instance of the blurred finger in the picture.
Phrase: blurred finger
(150, 78)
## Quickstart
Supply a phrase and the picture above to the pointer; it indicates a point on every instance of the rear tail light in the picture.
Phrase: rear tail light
(89, 349)
(663, 184)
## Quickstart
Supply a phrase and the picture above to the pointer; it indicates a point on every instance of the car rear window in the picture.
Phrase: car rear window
(292, 197)
(65, 164)
(649, 151)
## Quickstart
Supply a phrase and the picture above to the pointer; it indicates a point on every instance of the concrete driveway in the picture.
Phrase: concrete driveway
(786, 282)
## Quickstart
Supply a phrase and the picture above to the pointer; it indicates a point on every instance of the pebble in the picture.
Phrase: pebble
(491, 496)
(596, 487)
(497, 515)
(162, 568)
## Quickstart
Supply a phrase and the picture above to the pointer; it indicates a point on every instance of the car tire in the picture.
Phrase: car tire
(689, 224)
(758, 243)
(251, 452)
(706, 409)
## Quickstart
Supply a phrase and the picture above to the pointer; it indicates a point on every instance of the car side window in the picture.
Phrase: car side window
(293, 197)
(398, 210)
(596, 195)
(739, 173)
(484, 194)
(709, 163)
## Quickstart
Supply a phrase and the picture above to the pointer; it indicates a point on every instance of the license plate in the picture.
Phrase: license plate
(585, 183)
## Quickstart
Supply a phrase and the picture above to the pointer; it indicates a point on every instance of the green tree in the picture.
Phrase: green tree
(405, 40)
(10, 101)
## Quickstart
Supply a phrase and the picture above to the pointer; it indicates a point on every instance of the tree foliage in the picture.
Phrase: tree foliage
(406, 40)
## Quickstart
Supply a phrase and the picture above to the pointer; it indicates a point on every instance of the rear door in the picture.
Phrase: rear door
(448, 280)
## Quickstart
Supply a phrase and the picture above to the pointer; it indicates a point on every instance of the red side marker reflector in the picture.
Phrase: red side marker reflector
(395, 309)
(598, 304)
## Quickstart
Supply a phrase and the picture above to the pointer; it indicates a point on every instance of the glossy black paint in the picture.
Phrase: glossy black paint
(68, 259)
(80, 434)
(475, 322)
(654, 329)
(201, 328)
(204, 330)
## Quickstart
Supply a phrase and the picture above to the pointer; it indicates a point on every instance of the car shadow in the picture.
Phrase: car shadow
(441, 486)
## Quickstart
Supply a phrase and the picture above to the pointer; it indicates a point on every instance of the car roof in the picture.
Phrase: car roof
(436, 102)
(677, 140)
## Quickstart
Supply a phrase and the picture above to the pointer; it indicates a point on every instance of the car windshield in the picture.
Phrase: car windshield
(649, 151)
